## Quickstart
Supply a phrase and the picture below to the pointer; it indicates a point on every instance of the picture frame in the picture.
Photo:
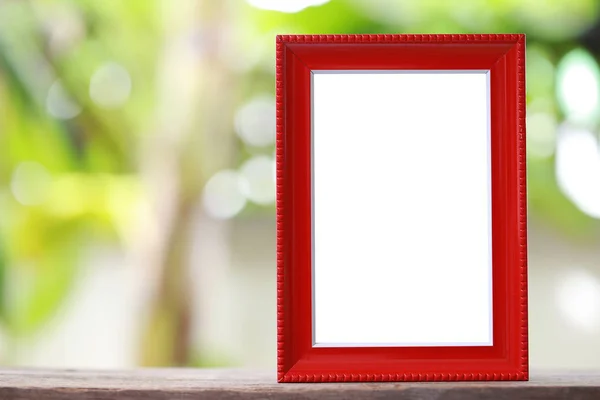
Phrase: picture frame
(401, 208)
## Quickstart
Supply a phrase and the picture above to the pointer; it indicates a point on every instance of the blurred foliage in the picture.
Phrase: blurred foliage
(70, 169)
(90, 189)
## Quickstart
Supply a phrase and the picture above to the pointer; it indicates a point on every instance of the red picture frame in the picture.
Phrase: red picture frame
(504, 56)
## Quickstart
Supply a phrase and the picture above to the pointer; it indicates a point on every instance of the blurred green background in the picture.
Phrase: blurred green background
(137, 222)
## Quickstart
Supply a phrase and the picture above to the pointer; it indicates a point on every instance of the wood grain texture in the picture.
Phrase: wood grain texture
(154, 384)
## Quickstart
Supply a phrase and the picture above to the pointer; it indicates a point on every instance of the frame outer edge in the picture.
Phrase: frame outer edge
(522, 372)
(522, 172)
(279, 205)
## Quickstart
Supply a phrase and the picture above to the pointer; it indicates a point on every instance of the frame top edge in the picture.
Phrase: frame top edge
(402, 38)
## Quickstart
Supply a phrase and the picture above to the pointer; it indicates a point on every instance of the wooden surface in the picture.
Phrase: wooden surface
(179, 384)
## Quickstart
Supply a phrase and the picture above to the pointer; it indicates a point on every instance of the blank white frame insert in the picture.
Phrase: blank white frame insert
(401, 200)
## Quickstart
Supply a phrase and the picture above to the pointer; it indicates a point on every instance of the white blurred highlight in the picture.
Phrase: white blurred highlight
(30, 183)
(223, 195)
(258, 173)
(578, 168)
(59, 104)
(578, 298)
(287, 6)
(110, 86)
(578, 83)
(255, 121)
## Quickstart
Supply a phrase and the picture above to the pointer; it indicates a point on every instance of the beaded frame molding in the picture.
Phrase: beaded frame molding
(504, 56)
